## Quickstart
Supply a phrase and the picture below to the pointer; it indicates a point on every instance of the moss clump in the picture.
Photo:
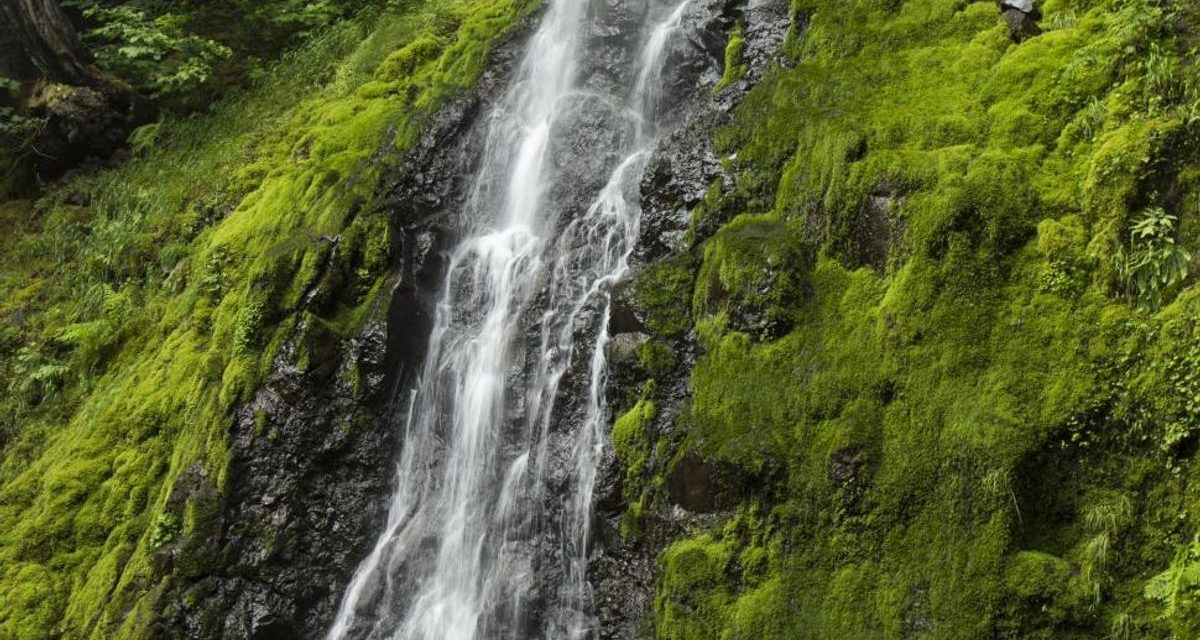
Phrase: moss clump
(663, 293)
(755, 270)
(735, 68)
(631, 440)
(656, 357)
(693, 596)
(630, 437)
(1044, 594)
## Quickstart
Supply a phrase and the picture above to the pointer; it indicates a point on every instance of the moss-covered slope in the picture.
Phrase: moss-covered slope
(140, 304)
(946, 336)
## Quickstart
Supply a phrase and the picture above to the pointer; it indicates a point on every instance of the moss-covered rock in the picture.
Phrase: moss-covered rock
(969, 426)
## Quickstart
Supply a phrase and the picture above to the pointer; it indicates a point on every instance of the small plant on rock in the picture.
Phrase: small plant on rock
(1153, 262)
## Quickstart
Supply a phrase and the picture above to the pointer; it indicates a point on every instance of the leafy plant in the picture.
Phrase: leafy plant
(1153, 262)
(145, 138)
(1092, 118)
(1182, 370)
(155, 55)
(16, 128)
(1063, 20)
(300, 17)
(37, 376)
(166, 529)
(1177, 587)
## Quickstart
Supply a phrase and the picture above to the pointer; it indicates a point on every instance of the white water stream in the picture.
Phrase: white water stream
(468, 539)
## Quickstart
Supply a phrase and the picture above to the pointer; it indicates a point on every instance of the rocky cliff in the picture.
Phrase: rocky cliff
(908, 349)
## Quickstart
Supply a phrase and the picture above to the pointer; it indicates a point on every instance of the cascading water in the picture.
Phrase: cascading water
(467, 534)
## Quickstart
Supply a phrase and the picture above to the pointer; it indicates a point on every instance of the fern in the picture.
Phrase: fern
(37, 376)
(1179, 582)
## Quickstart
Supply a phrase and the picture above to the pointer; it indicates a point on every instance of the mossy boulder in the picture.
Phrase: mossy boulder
(755, 272)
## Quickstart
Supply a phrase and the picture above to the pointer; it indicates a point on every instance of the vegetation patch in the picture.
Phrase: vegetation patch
(140, 304)
(975, 404)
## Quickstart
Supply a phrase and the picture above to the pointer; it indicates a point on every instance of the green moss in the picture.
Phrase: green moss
(663, 292)
(956, 391)
(1044, 594)
(734, 67)
(631, 438)
(656, 357)
(693, 597)
(181, 287)
(754, 270)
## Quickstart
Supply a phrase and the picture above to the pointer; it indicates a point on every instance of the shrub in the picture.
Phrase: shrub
(155, 55)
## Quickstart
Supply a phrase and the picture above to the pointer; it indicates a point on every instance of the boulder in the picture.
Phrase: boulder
(622, 348)
(81, 122)
(1024, 6)
(1021, 26)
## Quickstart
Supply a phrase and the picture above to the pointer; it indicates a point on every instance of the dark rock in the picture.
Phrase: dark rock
(845, 472)
(677, 179)
(877, 240)
(767, 25)
(916, 622)
(609, 43)
(622, 312)
(1021, 26)
(606, 495)
(684, 166)
(690, 484)
(622, 348)
(871, 232)
(590, 131)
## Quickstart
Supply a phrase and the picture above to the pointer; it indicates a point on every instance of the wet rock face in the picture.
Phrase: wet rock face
(690, 484)
(685, 166)
(845, 471)
(614, 24)
(590, 131)
(303, 492)
(1020, 16)
(313, 452)
(1024, 6)
(677, 178)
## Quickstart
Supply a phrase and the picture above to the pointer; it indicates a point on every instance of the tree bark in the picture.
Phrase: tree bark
(38, 42)
(82, 112)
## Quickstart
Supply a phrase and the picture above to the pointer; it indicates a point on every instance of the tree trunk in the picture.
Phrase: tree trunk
(38, 42)
(82, 112)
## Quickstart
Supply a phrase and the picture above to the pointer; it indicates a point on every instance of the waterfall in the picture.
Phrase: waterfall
(468, 541)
